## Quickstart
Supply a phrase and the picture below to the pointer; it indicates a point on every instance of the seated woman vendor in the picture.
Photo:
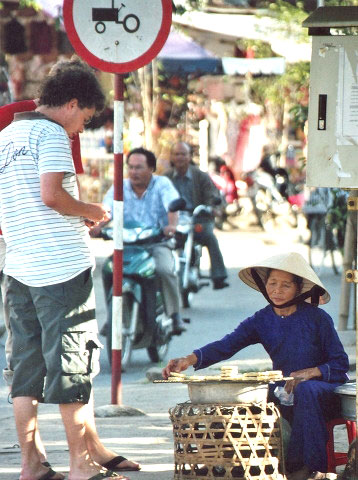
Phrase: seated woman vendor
(301, 340)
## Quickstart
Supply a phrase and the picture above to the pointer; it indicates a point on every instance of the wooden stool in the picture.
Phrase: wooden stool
(338, 458)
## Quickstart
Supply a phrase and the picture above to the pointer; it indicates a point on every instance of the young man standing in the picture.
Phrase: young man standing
(48, 266)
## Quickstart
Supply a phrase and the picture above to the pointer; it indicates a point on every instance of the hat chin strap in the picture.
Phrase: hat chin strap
(314, 293)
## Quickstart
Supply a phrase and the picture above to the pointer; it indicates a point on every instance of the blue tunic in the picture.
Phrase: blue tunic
(305, 339)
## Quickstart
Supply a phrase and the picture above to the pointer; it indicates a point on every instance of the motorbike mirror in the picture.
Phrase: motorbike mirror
(178, 204)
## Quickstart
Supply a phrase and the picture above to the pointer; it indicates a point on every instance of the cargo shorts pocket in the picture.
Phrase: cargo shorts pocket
(80, 353)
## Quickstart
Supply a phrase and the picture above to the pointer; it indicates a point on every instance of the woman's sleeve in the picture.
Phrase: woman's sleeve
(244, 334)
(335, 366)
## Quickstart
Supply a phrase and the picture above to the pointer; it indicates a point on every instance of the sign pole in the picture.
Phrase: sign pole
(118, 39)
(116, 395)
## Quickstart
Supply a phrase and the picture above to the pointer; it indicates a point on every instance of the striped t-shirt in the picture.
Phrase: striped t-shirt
(44, 247)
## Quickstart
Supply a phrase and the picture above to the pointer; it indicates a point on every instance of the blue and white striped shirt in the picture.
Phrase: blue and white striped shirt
(43, 246)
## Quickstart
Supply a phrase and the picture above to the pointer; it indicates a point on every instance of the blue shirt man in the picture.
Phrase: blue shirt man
(149, 209)
(146, 200)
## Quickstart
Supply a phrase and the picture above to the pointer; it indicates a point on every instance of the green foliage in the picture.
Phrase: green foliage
(261, 49)
(291, 87)
(29, 3)
(299, 115)
(181, 6)
(287, 12)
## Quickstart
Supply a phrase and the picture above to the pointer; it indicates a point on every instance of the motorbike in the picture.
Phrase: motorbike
(268, 195)
(144, 322)
(189, 252)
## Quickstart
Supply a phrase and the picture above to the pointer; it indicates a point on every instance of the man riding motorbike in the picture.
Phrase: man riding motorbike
(197, 188)
(146, 201)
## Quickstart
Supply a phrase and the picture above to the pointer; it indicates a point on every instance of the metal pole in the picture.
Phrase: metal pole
(118, 241)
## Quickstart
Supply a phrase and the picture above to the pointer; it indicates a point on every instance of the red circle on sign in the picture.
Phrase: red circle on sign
(112, 67)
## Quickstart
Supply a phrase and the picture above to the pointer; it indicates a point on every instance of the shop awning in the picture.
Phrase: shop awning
(220, 32)
(255, 66)
(181, 55)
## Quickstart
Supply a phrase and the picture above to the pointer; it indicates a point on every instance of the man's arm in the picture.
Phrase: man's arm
(170, 229)
(54, 196)
(206, 191)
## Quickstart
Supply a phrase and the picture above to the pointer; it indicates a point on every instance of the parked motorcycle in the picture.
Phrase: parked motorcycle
(189, 252)
(144, 322)
(269, 196)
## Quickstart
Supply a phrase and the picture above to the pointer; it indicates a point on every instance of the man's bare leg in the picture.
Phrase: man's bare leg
(98, 452)
(25, 411)
(82, 466)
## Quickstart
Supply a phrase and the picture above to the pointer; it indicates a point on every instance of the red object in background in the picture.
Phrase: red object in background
(229, 190)
(297, 199)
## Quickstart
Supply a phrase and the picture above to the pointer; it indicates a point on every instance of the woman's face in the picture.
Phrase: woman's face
(280, 287)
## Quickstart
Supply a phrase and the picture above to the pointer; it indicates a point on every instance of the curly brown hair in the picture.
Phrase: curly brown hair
(72, 81)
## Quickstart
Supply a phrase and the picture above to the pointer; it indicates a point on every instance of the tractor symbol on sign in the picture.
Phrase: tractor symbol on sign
(100, 15)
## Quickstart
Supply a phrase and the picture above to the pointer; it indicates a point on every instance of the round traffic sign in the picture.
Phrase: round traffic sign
(117, 36)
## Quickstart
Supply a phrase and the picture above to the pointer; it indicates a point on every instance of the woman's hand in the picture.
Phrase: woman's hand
(177, 365)
(301, 376)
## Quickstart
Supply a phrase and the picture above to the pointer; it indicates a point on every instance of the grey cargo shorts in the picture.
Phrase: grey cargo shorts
(55, 345)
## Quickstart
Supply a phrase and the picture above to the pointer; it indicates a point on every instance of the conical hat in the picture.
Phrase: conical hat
(288, 262)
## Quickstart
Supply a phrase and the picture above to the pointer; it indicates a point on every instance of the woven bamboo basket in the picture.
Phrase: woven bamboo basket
(241, 441)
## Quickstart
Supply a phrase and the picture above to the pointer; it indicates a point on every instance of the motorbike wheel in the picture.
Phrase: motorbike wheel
(127, 301)
(185, 298)
(159, 348)
(262, 208)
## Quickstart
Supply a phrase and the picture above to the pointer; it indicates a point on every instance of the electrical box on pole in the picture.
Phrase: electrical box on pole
(332, 154)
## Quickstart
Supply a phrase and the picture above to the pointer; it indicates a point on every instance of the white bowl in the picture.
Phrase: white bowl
(227, 392)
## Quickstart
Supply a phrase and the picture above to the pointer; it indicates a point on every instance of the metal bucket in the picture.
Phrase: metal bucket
(227, 392)
(347, 392)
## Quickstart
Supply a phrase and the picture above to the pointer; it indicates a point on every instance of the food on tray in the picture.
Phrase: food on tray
(229, 373)
(273, 375)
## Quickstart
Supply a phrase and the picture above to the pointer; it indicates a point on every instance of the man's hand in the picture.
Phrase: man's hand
(302, 376)
(97, 213)
(169, 230)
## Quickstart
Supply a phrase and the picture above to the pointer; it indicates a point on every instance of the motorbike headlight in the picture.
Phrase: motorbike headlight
(183, 228)
(129, 235)
(184, 218)
(148, 232)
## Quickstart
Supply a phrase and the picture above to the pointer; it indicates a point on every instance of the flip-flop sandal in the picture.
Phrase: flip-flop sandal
(49, 475)
(102, 475)
(112, 465)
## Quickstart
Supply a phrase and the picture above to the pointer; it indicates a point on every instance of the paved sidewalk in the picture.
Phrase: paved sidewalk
(146, 438)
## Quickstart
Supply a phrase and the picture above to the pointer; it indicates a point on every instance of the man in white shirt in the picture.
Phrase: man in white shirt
(48, 267)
